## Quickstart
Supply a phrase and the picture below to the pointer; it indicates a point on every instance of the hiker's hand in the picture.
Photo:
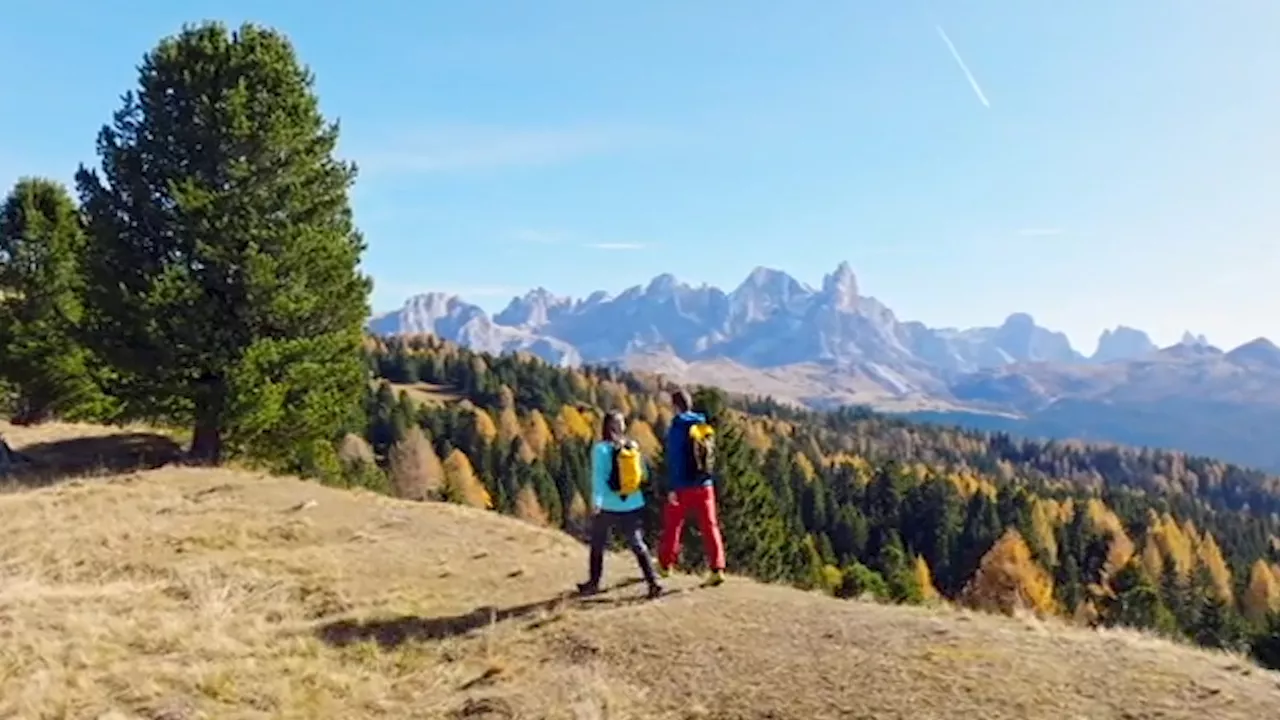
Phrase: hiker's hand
(671, 498)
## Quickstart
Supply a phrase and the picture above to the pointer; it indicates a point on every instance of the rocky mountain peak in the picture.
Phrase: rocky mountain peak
(1259, 351)
(1123, 343)
(536, 308)
(1193, 340)
(841, 288)
(764, 292)
(663, 286)
(1019, 322)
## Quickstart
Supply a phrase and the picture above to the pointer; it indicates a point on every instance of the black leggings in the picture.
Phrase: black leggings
(631, 525)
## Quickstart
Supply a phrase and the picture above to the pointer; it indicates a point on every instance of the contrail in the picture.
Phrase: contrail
(973, 82)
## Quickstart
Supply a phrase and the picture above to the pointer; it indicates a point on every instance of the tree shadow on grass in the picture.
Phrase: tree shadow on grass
(393, 632)
(46, 463)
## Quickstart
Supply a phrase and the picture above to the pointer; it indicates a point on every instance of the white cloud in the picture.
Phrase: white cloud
(1040, 232)
(466, 148)
(615, 246)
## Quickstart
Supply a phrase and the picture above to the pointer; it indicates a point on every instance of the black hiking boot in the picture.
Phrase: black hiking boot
(588, 588)
(655, 591)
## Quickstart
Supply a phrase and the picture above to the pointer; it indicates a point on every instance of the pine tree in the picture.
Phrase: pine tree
(858, 580)
(1264, 646)
(548, 493)
(898, 571)
(1136, 602)
(934, 530)
(981, 530)
(1217, 625)
(222, 260)
(756, 538)
(42, 308)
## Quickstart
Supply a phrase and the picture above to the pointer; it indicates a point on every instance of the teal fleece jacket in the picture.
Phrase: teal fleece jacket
(602, 496)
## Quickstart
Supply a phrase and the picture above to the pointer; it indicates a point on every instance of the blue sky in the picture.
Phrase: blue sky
(1122, 169)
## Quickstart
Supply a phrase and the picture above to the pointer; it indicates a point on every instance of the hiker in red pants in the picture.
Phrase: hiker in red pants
(690, 452)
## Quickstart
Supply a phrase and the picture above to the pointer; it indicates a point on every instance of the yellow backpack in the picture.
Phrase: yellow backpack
(701, 456)
(628, 468)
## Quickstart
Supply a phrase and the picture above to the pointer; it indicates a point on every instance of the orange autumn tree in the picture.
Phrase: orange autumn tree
(537, 433)
(1210, 557)
(461, 484)
(570, 423)
(643, 434)
(508, 426)
(1262, 595)
(1008, 579)
(528, 508)
(484, 426)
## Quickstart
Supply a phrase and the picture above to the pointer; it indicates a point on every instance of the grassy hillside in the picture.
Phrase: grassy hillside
(214, 593)
(855, 503)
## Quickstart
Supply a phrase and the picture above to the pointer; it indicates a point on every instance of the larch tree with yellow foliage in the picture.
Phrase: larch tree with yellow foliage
(570, 424)
(461, 484)
(508, 426)
(528, 508)
(536, 432)
(643, 434)
(1262, 596)
(1008, 579)
(924, 578)
(1210, 557)
(648, 411)
(483, 426)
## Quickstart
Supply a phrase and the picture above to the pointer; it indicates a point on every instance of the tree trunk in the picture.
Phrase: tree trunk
(206, 440)
(206, 444)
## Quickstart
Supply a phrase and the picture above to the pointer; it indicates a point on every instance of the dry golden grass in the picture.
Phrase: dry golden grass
(182, 593)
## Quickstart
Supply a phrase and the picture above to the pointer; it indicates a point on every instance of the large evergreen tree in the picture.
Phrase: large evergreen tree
(41, 306)
(222, 257)
(755, 531)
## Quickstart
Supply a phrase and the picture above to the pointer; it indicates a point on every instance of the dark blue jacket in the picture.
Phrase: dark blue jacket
(676, 452)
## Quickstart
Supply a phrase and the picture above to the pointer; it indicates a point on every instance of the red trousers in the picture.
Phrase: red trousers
(701, 501)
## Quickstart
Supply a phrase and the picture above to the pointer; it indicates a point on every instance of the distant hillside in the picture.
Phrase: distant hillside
(852, 502)
(831, 346)
(191, 593)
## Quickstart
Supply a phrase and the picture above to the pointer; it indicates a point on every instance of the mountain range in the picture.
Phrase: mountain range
(830, 346)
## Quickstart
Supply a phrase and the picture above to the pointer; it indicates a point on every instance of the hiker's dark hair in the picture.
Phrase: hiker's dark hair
(612, 425)
(681, 399)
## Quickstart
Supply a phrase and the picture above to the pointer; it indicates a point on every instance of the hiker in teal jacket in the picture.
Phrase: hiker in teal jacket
(609, 510)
